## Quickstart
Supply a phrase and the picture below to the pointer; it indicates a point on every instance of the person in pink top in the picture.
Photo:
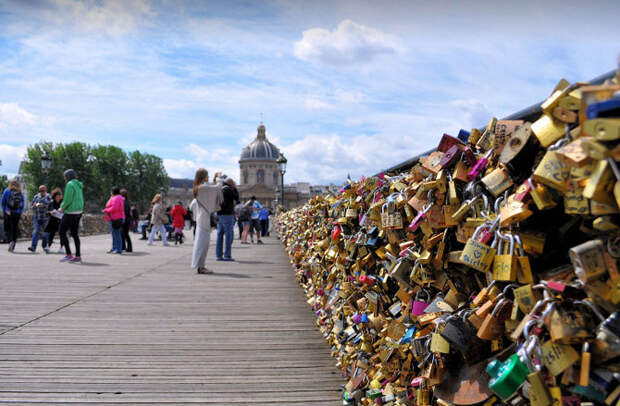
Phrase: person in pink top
(115, 216)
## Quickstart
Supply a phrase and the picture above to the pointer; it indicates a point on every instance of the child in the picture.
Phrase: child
(178, 214)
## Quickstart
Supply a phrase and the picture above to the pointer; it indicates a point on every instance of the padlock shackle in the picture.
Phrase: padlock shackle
(592, 307)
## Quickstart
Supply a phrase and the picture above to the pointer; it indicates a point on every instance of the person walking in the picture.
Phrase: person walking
(255, 225)
(158, 220)
(178, 214)
(115, 216)
(245, 218)
(12, 202)
(208, 199)
(72, 207)
(263, 218)
(127, 224)
(55, 216)
(226, 221)
(41, 205)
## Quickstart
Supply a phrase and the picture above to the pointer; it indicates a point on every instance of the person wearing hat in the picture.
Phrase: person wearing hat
(72, 208)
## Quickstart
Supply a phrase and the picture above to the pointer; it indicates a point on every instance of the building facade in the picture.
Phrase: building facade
(259, 174)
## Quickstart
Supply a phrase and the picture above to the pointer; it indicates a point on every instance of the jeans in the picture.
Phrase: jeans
(117, 239)
(162, 230)
(225, 232)
(39, 232)
(70, 222)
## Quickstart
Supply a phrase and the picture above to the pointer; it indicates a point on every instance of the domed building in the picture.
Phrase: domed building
(259, 174)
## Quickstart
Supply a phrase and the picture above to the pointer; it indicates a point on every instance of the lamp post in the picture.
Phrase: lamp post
(282, 165)
(46, 166)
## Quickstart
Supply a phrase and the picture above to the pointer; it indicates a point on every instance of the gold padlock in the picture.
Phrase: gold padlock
(599, 186)
(505, 263)
(541, 196)
(548, 130)
(552, 172)
(603, 129)
(476, 254)
(498, 180)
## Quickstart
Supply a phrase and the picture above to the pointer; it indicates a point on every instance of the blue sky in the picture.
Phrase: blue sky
(344, 86)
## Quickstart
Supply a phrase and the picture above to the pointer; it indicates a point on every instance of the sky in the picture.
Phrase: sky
(342, 86)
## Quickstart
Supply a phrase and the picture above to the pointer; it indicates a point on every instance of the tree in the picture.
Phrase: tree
(99, 168)
(4, 182)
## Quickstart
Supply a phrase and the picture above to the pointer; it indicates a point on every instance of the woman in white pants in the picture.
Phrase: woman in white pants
(208, 200)
(158, 219)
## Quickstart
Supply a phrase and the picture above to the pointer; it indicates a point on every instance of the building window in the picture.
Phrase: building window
(260, 176)
(276, 178)
(245, 177)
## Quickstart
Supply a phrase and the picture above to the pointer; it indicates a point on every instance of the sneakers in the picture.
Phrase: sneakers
(31, 249)
(219, 259)
(61, 250)
(75, 260)
(12, 246)
(204, 271)
(259, 242)
(47, 250)
(166, 244)
(67, 258)
(229, 259)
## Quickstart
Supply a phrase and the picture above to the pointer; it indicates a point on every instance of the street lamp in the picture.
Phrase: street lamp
(46, 165)
(282, 165)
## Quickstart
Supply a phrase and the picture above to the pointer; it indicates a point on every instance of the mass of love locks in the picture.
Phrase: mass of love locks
(485, 274)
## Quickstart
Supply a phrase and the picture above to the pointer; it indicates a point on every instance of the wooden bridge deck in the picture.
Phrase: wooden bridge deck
(143, 328)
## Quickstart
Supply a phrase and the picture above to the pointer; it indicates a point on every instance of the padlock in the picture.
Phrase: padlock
(476, 254)
(505, 263)
(493, 326)
(419, 218)
(462, 336)
(600, 184)
(547, 130)
(524, 268)
(418, 305)
(603, 129)
(552, 172)
(497, 181)
(541, 196)
(588, 260)
(479, 166)
(516, 143)
(507, 376)
(539, 394)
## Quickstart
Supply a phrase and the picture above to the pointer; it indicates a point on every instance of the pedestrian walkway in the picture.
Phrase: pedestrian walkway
(143, 328)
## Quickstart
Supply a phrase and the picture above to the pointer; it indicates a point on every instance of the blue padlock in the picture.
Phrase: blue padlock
(463, 135)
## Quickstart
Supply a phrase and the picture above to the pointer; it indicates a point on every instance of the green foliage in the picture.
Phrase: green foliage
(4, 182)
(99, 167)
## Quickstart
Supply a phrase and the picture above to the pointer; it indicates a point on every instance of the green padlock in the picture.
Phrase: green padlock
(373, 393)
(507, 376)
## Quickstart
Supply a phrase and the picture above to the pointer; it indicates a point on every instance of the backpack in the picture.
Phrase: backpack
(16, 200)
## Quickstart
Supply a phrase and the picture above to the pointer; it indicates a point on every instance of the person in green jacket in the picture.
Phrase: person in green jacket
(71, 208)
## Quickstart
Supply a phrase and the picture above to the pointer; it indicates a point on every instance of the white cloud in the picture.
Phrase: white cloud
(316, 104)
(11, 156)
(350, 43)
(11, 114)
(114, 18)
(476, 113)
(214, 160)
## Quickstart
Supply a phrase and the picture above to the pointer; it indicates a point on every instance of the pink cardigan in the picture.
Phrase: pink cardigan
(115, 208)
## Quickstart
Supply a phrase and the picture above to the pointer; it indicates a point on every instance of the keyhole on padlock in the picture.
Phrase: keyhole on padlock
(515, 143)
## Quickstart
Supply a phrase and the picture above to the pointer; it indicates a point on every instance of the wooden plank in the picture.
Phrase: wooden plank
(146, 329)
